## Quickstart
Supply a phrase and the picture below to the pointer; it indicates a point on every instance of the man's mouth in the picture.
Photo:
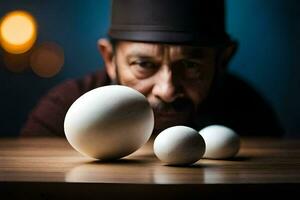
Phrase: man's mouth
(170, 113)
(167, 115)
(174, 113)
(178, 106)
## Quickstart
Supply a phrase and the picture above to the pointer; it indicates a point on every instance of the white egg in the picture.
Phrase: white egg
(179, 145)
(109, 122)
(221, 142)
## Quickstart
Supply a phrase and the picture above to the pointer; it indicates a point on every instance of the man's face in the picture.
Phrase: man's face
(175, 79)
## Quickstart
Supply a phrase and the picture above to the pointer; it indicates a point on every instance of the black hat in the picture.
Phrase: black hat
(199, 22)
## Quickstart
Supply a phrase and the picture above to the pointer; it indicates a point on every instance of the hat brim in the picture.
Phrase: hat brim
(170, 37)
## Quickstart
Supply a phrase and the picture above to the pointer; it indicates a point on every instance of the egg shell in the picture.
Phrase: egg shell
(109, 122)
(221, 142)
(179, 145)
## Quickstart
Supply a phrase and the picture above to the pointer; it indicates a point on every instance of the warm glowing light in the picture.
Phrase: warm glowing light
(18, 32)
(16, 63)
(47, 60)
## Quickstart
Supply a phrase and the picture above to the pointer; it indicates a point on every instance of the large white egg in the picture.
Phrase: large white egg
(179, 145)
(221, 142)
(109, 122)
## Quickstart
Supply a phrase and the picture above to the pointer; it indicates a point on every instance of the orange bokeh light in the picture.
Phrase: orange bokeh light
(18, 32)
(47, 60)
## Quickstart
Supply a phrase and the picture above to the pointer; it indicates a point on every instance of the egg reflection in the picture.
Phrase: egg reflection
(221, 174)
(122, 171)
(143, 172)
(178, 175)
(147, 169)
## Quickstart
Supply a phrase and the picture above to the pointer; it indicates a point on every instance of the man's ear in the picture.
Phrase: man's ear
(226, 54)
(106, 50)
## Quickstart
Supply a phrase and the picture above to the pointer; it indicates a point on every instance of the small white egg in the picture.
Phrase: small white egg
(179, 145)
(221, 142)
(109, 122)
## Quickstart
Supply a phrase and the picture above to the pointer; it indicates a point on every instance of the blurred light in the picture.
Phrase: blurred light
(16, 62)
(47, 60)
(18, 32)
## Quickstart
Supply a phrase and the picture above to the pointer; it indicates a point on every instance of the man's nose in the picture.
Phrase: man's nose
(166, 86)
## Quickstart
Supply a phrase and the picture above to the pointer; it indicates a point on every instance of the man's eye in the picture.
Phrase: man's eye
(145, 64)
(190, 65)
(191, 69)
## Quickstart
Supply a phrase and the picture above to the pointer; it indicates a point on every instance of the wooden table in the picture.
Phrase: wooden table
(49, 168)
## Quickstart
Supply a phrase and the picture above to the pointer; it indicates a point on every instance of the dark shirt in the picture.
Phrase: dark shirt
(234, 104)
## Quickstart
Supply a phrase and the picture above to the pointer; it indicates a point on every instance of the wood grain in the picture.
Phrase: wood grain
(260, 162)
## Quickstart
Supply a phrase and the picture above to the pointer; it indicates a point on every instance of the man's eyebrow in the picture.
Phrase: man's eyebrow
(141, 58)
(141, 54)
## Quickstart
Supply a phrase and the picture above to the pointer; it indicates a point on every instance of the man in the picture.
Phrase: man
(176, 54)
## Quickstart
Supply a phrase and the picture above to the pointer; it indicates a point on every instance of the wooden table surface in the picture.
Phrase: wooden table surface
(50, 168)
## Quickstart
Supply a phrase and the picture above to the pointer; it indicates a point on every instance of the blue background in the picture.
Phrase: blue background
(267, 31)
